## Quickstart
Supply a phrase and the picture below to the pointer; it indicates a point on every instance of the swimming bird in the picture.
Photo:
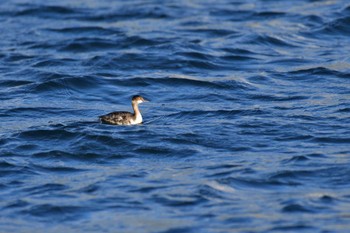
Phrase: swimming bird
(125, 118)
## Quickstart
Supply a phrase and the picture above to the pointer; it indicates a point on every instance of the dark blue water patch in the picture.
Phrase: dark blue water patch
(87, 31)
(67, 156)
(44, 45)
(131, 12)
(195, 55)
(212, 32)
(180, 82)
(125, 62)
(208, 114)
(326, 199)
(149, 189)
(17, 57)
(289, 61)
(238, 221)
(57, 169)
(6, 165)
(20, 171)
(46, 188)
(328, 175)
(179, 200)
(44, 134)
(294, 138)
(130, 62)
(310, 74)
(209, 192)
(291, 175)
(260, 184)
(17, 204)
(233, 15)
(312, 21)
(90, 189)
(237, 58)
(238, 51)
(14, 83)
(138, 41)
(343, 110)
(224, 166)
(52, 62)
(296, 208)
(48, 76)
(47, 12)
(199, 64)
(224, 172)
(277, 98)
(293, 228)
(48, 82)
(339, 26)
(122, 206)
(268, 40)
(297, 159)
(164, 151)
(316, 71)
(316, 155)
(88, 44)
(268, 15)
(251, 16)
(345, 140)
(61, 212)
(180, 230)
(126, 83)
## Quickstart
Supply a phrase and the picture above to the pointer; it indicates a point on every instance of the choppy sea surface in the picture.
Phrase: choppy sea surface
(248, 128)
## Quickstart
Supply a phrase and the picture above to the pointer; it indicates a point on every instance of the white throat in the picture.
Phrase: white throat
(138, 119)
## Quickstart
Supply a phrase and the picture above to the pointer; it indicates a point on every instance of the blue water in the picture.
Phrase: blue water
(248, 128)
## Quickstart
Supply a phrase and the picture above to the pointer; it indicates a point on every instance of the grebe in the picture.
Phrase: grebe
(125, 118)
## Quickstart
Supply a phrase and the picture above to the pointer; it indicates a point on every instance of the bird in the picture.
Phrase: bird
(125, 118)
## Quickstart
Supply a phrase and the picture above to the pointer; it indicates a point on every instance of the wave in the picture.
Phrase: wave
(339, 26)
(86, 30)
(45, 11)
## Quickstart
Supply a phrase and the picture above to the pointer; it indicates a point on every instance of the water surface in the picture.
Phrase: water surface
(247, 129)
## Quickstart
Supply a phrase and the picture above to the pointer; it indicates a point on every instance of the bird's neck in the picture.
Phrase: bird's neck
(137, 113)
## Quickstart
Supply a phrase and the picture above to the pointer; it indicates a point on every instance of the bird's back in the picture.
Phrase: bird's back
(117, 118)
